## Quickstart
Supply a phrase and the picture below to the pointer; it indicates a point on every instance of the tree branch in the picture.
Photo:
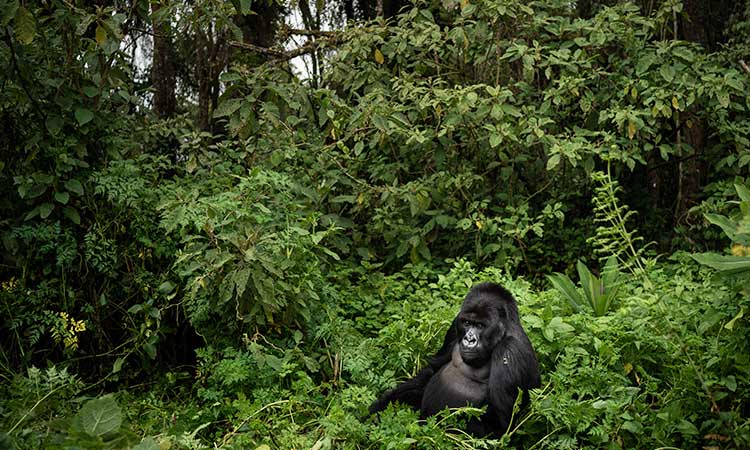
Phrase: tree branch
(326, 39)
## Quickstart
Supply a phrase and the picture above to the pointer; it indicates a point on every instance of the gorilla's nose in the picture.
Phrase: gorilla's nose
(470, 340)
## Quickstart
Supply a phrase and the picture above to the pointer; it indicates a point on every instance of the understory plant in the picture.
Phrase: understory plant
(737, 229)
(596, 292)
(614, 236)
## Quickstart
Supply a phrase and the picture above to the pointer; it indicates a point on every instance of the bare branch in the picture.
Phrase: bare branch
(325, 39)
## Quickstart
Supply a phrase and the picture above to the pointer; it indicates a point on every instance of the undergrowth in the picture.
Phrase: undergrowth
(668, 367)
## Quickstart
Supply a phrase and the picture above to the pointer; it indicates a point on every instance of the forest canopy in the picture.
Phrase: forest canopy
(234, 224)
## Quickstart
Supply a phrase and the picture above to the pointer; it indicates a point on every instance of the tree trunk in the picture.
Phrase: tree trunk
(162, 66)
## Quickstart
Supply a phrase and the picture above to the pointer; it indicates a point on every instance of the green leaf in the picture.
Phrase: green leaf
(150, 350)
(723, 98)
(743, 192)
(147, 444)
(566, 287)
(54, 124)
(667, 72)
(468, 10)
(729, 227)
(45, 209)
(227, 107)
(101, 34)
(83, 116)
(730, 325)
(684, 54)
(166, 287)
(724, 264)
(83, 25)
(553, 161)
(25, 26)
(100, 416)
(90, 91)
(245, 7)
(73, 185)
(72, 214)
(117, 366)
(7, 12)
(495, 139)
(644, 62)
(62, 197)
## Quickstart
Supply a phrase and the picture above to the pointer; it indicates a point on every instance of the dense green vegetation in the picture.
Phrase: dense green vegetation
(202, 249)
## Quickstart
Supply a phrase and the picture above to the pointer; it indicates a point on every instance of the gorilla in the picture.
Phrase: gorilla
(485, 358)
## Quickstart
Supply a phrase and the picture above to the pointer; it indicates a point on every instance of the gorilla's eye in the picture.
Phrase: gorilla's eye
(471, 324)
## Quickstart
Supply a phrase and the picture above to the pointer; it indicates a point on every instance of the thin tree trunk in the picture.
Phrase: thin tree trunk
(162, 66)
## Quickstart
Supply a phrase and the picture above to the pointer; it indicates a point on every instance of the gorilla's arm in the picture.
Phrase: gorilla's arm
(410, 392)
(514, 365)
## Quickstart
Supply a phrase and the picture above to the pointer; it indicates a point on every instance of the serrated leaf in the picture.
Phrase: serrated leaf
(25, 26)
(100, 416)
(83, 116)
(631, 129)
(379, 58)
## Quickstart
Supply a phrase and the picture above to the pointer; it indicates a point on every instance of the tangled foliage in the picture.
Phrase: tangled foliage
(274, 268)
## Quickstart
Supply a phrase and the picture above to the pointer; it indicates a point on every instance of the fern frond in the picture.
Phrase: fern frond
(612, 236)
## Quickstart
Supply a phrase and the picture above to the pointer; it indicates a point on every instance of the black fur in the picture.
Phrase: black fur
(485, 358)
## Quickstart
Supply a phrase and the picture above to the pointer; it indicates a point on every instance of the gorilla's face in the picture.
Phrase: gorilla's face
(481, 327)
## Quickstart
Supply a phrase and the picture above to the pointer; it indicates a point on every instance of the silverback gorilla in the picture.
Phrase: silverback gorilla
(485, 358)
